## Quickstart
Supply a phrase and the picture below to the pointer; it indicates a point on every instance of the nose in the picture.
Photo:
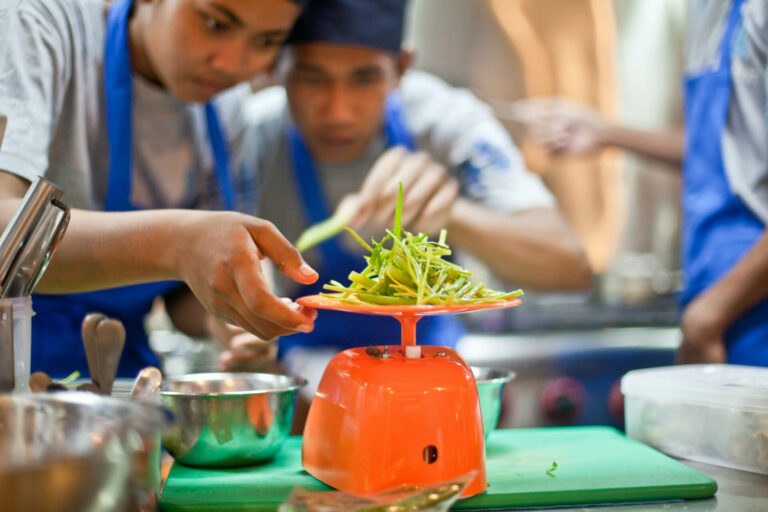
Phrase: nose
(230, 60)
(338, 107)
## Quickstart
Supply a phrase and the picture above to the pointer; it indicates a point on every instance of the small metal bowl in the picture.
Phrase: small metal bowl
(229, 419)
(490, 387)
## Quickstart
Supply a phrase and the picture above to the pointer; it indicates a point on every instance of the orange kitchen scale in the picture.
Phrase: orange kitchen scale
(385, 417)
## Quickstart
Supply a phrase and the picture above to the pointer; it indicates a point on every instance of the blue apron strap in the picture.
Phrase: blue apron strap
(220, 156)
(394, 123)
(734, 18)
(118, 87)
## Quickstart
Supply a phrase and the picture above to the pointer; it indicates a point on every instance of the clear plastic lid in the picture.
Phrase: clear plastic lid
(722, 385)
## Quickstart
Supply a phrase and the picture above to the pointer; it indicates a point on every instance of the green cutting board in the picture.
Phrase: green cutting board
(594, 465)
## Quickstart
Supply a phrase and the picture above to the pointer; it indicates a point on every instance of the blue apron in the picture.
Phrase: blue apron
(718, 228)
(347, 330)
(57, 346)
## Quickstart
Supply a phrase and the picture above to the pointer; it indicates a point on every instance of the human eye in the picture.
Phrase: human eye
(364, 79)
(213, 24)
(269, 42)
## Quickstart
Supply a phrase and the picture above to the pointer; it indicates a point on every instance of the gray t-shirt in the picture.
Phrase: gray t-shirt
(745, 140)
(51, 89)
(451, 124)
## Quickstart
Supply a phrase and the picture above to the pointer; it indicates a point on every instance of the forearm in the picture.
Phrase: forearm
(667, 146)
(101, 250)
(186, 312)
(743, 287)
(534, 248)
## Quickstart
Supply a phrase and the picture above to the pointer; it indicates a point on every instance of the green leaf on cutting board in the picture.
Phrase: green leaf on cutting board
(551, 469)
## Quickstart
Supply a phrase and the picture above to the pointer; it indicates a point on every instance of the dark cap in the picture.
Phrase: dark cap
(371, 23)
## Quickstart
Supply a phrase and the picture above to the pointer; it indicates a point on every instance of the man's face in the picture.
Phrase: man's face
(337, 95)
(197, 48)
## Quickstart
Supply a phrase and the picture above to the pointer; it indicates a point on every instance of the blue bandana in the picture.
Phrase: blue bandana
(371, 23)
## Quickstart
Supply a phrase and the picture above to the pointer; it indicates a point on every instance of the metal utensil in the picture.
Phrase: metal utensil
(490, 386)
(88, 331)
(76, 452)
(7, 361)
(30, 239)
(229, 419)
(146, 383)
(110, 340)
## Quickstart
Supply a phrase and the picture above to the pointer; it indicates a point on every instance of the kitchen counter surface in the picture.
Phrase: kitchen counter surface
(738, 491)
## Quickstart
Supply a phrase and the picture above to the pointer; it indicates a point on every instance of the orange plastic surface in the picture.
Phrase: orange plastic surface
(408, 315)
(320, 302)
(379, 423)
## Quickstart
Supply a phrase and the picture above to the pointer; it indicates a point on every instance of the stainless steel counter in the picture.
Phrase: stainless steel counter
(738, 491)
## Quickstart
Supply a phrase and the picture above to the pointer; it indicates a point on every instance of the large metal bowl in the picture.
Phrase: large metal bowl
(76, 452)
(490, 386)
(229, 419)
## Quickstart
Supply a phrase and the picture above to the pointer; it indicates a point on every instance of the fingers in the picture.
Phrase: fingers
(379, 175)
(421, 192)
(350, 208)
(262, 304)
(381, 171)
(407, 173)
(437, 211)
(255, 325)
(275, 246)
(248, 353)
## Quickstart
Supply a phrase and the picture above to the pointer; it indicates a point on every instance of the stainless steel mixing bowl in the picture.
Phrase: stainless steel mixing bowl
(77, 452)
(490, 386)
(229, 419)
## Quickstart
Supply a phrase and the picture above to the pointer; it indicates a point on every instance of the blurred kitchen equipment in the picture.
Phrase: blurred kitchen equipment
(110, 340)
(39, 382)
(7, 360)
(88, 330)
(75, 452)
(26, 247)
(146, 383)
(716, 414)
(29, 240)
(490, 388)
(229, 419)
(595, 358)
(15, 342)
(396, 415)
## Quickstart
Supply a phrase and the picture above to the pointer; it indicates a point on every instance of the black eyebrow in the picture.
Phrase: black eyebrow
(229, 14)
(368, 70)
(308, 68)
(232, 17)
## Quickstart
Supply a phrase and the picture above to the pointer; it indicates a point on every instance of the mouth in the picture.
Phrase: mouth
(337, 141)
(210, 87)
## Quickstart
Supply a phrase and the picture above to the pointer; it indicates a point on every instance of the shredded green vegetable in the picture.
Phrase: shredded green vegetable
(551, 469)
(410, 269)
(69, 379)
(321, 232)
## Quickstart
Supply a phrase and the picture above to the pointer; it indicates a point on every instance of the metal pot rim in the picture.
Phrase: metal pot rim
(505, 375)
(295, 384)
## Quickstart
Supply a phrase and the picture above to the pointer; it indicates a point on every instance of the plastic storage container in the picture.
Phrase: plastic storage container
(22, 340)
(716, 414)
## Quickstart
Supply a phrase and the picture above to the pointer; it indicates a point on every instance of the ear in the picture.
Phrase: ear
(404, 60)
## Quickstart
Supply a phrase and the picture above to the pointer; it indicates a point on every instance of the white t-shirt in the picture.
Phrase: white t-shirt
(51, 89)
(451, 124)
